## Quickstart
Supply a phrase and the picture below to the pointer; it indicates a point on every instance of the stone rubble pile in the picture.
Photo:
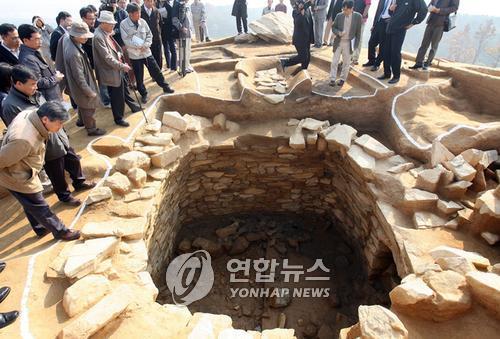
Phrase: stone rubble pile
(270, 82)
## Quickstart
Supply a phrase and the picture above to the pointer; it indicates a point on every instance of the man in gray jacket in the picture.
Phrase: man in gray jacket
(346, 27)
(319, 10)
(200, 21)
(59, 155)
(111, 68)
(80, 79)
(181, 19)
(138, 38)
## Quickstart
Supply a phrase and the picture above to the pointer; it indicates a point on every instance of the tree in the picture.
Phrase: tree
(485, 32)
(461, 45)
(494, 53)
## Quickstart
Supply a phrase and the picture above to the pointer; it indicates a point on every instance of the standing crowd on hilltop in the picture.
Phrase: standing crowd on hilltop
(99, 61)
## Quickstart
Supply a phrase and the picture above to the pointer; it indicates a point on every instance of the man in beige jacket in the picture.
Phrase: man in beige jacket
(21, 159)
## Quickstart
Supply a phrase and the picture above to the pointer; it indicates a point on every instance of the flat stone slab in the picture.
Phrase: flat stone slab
(362, 159)
(373, 147)
(161, 139)
(445, 252)
(313, 124)
(461, 168)
(129, 229)
(419, 199)
(175, 120)
(133, 159)
(379, 322)
(119, 183)
(167, 157)
(428, 220)
(85, 293)
(340, 136)
(99, 194)
(485, 288)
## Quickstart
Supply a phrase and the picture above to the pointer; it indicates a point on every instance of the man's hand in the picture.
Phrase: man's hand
(59, 76)
(393, 7)
(93, 95)
(409, 26)
(126, 68)
(184, 30)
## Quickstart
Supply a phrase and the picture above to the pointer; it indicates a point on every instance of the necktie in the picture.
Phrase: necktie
(387, 3)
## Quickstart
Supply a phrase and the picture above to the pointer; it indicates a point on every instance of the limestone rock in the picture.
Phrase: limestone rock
(175, 120)
(488, 158)
(365, 161)
(240, 245)
(446, 252)
(418, 200)
(440, 154)
(411, 292)
(99, 315)
(313, 124)
(143, 194)
(147, 283)
(219, 122)
(472, 156)
(275, 26)
(99, 194)
(133, 159)
(205, 325)
(401, 168)
(297, 140)
(158, 173)
(448, 207)
(456, 264)
(119, 183)
(84, 257)
(340, 137)
(377, 322)
(227, 231)
(488, 203)
(160, 139)
(485, 288)
(175, 133)
(137, 176)
(129, 229)
(428, 180)
(280, 89)
(461, 168)
(196, 123)
(153, 126)
(373, 147)
(166, 157)
(245, 38)
(490, 238)
(278, 333)
(215, 249)
(274, 98)
(137, 259)
(150, 150)
(293, 122)
(456, 190)
(428, 220)
(311, 137)
(230, 333)
(111, 146)
(85, 293)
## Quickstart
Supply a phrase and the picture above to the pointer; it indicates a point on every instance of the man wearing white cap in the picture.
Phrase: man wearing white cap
(111, 68)
(80, 77)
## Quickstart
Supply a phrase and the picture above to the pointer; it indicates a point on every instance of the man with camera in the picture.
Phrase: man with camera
(303, 34)
(440, 15)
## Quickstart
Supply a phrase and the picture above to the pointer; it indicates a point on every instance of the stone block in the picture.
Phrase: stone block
(446, 252)
(485, 288)
(175, 120)
(377, 322)
(166, 157)
(456, 190)
(416, 199)
(363, 160)
(137, 176)
(111, 146)
(133, 159)
(461, 168)
(99, 194)
(456, 264)
(85, 293)
(440, 154)
(313, 124)
(119, 183)
(129, 229)
(448, 207)
(373, 147)
(428, 220)
(428, 180)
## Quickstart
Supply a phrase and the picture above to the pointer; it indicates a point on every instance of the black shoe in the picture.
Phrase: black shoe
(79, 123)
(69, 235)
(122, 123)
(332, 83)
(8, 318)
(136, 109)
(426, 66)
(384, 77)
(4, 292)
(340, 83)
(168, 90)
(207, 39)
(368, 64)
(393, 81)
(84, 186)
(374, 68)
(144, 99)
(95, 132)
(416, 66)
(42, 232)
(355, 63)
(72, 201)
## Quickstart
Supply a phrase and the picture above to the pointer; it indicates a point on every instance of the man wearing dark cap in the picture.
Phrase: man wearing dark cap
(80, 78)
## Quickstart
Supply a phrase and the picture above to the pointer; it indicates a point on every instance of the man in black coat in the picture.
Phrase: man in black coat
(377, 37)
(30, 56)
(334, 9)
(9, 48)
(64, 21)
(303, 35)
(153, 18)
(168, 34)
(404, 15)
(240, 12)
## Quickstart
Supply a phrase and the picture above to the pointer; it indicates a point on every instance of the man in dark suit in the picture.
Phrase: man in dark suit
(240, 11)
(168, 35)
(153, 18)
(440, 12)
(303, 35)
(64, 21)
(404, 15)
(334, 9)
(377, 37)
(9, 48)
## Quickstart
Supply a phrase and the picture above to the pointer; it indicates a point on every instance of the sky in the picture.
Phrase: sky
(23, 10)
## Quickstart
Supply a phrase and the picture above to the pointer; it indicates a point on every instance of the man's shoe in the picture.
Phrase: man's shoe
(122, 123)
(384, 77)
(3, 264)
(4, 292)
(69, 235)
(8, 318)
(393, 81)
(332, 83)
(368, 64)
(416, 66)
(42, 232)
(340, 83)
(374, 68)
(144, 99)
(355, 63)
(79, 123)
(72, 201)
(107, 105)
(84, 186)
(168, 90)
(95, 132)
(207, 39)
(136, 109)
(426, 66)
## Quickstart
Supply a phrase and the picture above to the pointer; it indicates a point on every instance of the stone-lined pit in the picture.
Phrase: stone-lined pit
(263, 177)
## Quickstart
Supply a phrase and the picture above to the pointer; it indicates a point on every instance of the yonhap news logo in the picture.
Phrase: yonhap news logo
(190, 277)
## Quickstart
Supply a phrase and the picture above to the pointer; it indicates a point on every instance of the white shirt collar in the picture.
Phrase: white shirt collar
(15, 52)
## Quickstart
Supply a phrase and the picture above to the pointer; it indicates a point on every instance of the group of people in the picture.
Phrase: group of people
(345, 22)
